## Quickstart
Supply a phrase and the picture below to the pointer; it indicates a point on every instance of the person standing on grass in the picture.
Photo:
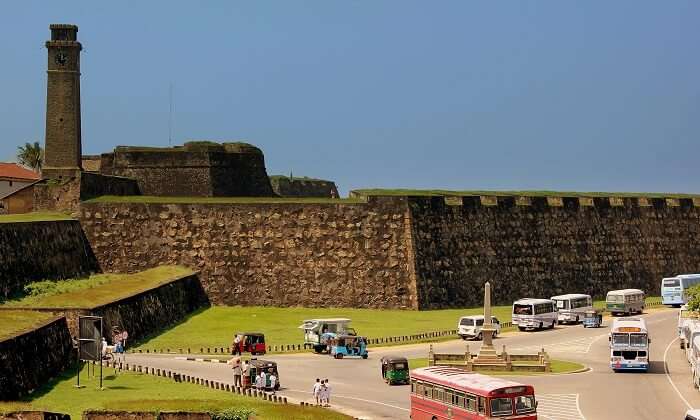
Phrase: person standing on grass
(317, 391)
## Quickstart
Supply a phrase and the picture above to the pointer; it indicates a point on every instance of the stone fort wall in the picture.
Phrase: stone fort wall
(353, 255)
(201, 169)
(541, 247)
(405, 252)
(42, 251)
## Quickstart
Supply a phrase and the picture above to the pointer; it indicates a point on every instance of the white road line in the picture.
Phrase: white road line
(668, 375)
(356, 399)
(578, 407)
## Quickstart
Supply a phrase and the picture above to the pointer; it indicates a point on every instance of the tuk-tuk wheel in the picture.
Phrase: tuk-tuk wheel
(364, 356)
(338, 356)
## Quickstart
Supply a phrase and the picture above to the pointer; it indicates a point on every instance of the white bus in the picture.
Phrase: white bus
(691, 330)
(625, 301)
(629, 345)
(572, 307)
(695, 360)
(673, 289)
(685, 316)
(534, 313)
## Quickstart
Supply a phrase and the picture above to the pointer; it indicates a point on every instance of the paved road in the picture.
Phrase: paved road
(593, 395)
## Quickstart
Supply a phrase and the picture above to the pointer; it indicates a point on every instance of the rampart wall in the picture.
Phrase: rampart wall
(303, 187)
(30, 359)
(42, 251)
(355, 255)
(405, 252)
(541, 247)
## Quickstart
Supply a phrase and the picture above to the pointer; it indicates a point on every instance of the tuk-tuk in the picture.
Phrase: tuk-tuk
(252, 342)
(253, 370)
(592, 319)
(348, 345)
(395, 370)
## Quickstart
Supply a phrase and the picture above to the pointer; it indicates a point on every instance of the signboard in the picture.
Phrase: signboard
(90, 337)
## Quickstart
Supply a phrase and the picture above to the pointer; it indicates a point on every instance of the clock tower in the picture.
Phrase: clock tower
(63, 149)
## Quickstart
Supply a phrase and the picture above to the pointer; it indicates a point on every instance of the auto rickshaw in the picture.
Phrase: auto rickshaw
(348, 345)
(252, 342)
(255, 366)
(592, 319)
(395, 370)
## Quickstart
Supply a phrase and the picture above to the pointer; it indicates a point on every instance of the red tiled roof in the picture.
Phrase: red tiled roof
(13, 170)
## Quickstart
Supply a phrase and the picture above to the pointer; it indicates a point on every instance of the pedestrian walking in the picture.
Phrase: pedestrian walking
(324, 394)
(317, 391)
(329, 389)
(236, 345)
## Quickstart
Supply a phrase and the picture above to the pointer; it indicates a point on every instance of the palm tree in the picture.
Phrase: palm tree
(31, 155)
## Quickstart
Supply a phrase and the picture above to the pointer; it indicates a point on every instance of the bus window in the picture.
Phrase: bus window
(525, 404)
(427, 391)
(638, 340)
(482, 405)
(522, 309)
(437, 394)
(471, 403)
(414, 388)
(459, 400)
(562, 304)
(672, 283)
(501, 407)
(620, 339)
(447, 396)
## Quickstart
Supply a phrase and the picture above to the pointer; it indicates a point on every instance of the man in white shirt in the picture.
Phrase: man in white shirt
(317, 391)
(328, 393)
(273, 381)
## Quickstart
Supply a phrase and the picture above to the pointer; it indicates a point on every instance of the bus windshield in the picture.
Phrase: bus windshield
(501, 406)
(522, 309)
(562, 304)
(615, 298)
(525, 404)
(638, 340)
(619, 339)
(672, 283)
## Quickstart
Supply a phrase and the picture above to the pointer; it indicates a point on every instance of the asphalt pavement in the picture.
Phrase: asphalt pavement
(665, 392)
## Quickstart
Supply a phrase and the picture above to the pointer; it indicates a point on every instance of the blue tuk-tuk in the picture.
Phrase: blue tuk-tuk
(592, 319)
(349, 345)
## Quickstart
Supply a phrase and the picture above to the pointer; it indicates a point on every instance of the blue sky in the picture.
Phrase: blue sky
(568, 95)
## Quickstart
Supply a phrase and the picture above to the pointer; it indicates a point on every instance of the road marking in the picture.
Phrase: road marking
(668, 375)
(354, 398)
(559, 407)
(580, 345)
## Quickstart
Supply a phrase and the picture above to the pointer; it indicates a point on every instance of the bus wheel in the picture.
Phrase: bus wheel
(541, 325)
(551, 327)
(480, 337)
(521, 328)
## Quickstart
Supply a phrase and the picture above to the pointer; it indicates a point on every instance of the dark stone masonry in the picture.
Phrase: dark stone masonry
(30, 359)
(285, 186)
(405, 252)
(42, 251)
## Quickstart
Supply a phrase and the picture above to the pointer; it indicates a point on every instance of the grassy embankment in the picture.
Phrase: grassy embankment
(136, 392)
(14, 322)
(223, 200)
(526, 193)
(34, 217)
(96, 290)
(557, 366)
(215, 326)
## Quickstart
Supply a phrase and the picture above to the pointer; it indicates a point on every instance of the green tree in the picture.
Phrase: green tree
(31, 155)
(693, 294)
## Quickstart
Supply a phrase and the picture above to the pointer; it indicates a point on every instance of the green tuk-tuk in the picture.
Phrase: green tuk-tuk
(395, 370)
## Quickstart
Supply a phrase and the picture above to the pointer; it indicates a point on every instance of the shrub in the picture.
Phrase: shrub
(241, 413)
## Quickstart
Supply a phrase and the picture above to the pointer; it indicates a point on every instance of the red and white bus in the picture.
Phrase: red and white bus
(439, 392)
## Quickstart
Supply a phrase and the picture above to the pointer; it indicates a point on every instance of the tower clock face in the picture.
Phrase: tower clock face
(61, 58)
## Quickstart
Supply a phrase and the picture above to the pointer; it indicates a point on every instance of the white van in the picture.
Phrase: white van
(692, 414)
(685, 316)
(572, 307)
(695, 361)
(534, 313)
(470, 326)
(691, 330)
